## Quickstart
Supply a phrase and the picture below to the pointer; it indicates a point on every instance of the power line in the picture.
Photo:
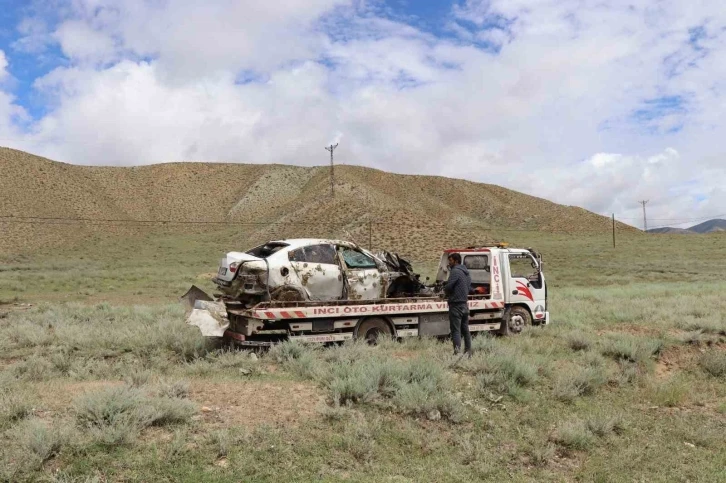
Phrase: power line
(682, 220)
(50, 220)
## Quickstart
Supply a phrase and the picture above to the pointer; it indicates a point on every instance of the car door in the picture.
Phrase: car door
(526, 283)
(361, 271)
(318, 270)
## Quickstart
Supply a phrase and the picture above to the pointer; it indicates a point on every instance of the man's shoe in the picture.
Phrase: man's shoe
(468, 354)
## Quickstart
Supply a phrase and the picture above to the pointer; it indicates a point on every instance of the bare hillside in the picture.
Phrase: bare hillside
(409, 213)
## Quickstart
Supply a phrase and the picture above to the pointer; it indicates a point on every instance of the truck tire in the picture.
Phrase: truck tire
(516, 319)
(371, 329)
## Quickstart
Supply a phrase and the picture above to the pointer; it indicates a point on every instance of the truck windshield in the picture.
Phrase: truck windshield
(264, 251)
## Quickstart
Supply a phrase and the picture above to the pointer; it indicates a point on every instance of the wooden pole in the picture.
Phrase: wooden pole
(613, 230)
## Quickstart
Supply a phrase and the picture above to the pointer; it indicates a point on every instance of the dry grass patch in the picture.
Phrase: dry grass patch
(252, 403)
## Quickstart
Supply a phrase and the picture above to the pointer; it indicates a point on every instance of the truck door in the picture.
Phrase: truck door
(364, 278)
(318, 271)
(526, 283)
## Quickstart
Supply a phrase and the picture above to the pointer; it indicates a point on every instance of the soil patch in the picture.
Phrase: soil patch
(632, 329)
(675, 358)
(251, 403)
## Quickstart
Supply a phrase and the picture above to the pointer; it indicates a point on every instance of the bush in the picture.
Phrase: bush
(704, 326)
(116, 415)
(671, 393)
(173, 390)
(574, 435)
(573, 383)
(37, 441)
(361, 382)
(33, 368)
(138, 377)
(504, 371)
(300, 359)
(632, 349)
(414, 387)
(714, 363)
(541, 455)
(605, 425)
(14, 407)
(578, 341)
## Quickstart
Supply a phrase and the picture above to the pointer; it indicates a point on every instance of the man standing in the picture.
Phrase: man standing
(457, 291)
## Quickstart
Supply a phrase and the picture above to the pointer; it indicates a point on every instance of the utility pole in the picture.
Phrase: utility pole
(645, 218)
(613, 230)
(331, 148)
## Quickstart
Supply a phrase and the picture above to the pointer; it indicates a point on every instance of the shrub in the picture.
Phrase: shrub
(300, 359)
(605, 425)
(573, 383)
(14, 406)
(33, 368)
(359, 383)
(541, 455)
(714, 363)
(671, 393)
(37, 441)
(116, 415)
(175, 389)
(414, 387)
(632, 349)
(504, 371)
(138, 377)
(578, 341)
(573, 435)
(704, 326)
(484, 343)
(62, 361)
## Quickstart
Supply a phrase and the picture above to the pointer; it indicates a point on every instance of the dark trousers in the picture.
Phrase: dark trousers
(459, 324)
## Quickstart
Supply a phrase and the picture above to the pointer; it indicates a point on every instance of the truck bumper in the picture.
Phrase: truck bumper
(547, 318)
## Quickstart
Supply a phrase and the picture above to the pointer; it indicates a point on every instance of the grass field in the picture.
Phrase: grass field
(101, 381)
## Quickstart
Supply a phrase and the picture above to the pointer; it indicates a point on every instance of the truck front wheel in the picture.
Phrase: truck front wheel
(517, 319)
(371, 329)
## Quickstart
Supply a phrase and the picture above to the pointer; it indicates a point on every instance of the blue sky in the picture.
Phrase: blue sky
(585, 102)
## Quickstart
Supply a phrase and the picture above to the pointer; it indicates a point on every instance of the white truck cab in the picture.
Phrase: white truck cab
(510, 275)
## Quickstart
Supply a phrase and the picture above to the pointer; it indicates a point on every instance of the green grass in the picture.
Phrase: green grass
(101, 381)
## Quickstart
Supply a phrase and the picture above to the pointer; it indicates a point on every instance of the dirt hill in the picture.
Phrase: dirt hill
(710, 226)
(408, 213)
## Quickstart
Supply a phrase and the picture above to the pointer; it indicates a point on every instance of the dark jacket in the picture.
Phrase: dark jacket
(458, 286)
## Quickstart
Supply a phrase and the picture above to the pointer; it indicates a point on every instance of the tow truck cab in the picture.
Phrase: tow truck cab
(510, 275)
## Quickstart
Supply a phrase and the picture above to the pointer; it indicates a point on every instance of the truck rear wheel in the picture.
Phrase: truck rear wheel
(517, 319)
(371, 329)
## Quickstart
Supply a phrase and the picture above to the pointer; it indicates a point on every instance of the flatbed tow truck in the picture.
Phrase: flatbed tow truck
(509, 293)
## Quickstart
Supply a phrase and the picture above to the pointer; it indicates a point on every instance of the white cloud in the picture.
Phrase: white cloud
(79, 41)
(3, 66)
(276, 81)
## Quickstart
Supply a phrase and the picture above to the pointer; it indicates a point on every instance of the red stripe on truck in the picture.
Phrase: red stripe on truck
(300, 314)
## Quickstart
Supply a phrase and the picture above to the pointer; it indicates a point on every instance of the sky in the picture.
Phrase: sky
(593, 103)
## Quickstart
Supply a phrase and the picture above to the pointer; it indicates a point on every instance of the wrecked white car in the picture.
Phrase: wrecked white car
(313, 270)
